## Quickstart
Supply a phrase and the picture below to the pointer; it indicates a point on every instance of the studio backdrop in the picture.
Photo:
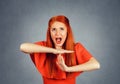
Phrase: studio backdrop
(95, 23)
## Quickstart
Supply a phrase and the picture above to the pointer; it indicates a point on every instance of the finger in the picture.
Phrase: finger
(57, 63)
(62, 51)
(59, 59)
(59, 66)
(69, 51)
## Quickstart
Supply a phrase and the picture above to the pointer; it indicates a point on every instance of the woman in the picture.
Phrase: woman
(59, 59)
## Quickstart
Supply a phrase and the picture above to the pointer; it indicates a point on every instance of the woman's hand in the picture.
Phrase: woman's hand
(62, 51)
(60, 62)
(92, 64)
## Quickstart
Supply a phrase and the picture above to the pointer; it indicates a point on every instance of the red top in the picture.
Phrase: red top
(81, 56)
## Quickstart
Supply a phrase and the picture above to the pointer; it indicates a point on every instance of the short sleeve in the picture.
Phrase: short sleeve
(39, 56)
(39, 59)
(82, 54)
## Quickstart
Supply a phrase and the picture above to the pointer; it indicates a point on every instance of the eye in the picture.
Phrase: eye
(61, 28)
(53, 29)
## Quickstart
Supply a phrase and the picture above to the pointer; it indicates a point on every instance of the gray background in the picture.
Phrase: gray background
(95, 23)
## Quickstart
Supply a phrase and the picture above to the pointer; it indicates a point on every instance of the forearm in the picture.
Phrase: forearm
(34, 48)
(92, 64)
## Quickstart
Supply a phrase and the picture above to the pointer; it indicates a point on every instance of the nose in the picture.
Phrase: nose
(57, 32)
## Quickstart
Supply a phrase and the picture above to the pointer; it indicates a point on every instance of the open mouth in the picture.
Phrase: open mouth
(58, 40)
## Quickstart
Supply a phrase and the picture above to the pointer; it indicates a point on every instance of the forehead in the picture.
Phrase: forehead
(58, 24)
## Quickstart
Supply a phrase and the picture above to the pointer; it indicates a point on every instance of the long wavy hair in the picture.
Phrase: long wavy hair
(68, 44)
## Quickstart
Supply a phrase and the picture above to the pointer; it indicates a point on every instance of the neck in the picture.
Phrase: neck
(58, 47)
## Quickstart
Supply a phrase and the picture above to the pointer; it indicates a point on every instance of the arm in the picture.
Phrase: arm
(34, 48)
(92, 64)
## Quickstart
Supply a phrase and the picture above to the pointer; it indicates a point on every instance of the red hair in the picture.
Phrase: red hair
(68, 45)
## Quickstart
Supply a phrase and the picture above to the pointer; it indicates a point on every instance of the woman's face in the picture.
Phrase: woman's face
(58, 32)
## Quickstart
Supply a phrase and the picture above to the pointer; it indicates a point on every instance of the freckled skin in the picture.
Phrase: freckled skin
(58, 30)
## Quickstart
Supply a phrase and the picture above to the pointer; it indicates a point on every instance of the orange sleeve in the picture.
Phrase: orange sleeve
(39, 59)
(82, 54)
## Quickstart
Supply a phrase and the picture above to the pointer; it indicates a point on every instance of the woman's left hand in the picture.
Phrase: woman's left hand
(61, 63)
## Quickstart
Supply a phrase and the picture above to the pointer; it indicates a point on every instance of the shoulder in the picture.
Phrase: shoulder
(78, 45)
(43, 43)
(82, 53)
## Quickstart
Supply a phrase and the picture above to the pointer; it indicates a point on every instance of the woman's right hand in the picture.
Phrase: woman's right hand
(62, 51)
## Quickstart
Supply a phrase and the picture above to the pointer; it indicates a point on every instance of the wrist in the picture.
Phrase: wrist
(67, 69)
